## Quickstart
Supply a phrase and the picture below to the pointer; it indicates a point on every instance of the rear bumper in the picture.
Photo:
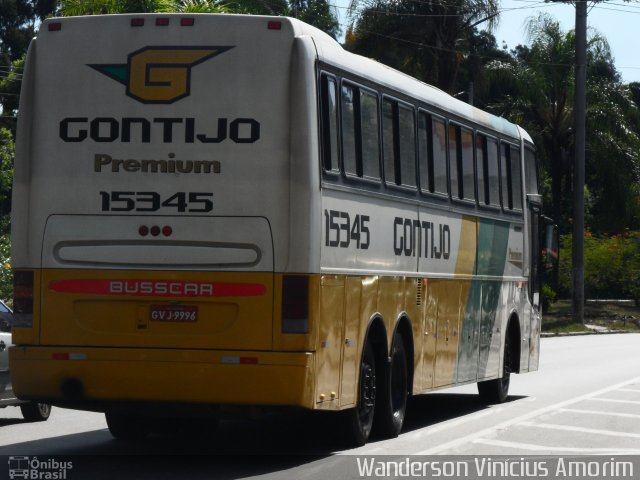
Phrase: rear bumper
(86, 377)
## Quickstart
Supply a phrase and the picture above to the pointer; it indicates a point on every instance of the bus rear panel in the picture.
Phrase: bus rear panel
(151, 191)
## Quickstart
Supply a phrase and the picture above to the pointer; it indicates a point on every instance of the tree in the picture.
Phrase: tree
(428, 40)
(17, 27)
(317, 13)
(6, 172)
(535, 89)
(100, 7)
(6, 178)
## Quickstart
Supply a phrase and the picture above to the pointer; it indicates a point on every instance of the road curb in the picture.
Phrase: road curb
(576, 334)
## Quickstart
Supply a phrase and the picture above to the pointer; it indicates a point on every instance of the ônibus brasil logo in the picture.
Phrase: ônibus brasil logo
(159, 74)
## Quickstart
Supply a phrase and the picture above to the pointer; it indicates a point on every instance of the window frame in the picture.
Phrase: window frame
(417, 195)
(333, 173)
(507, 200)
(460, 126)
(359, 177)
(431, 157)
(494, 207)
(397, 154)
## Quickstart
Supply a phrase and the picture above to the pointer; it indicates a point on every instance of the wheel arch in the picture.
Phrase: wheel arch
(514, 337)
(376, 333)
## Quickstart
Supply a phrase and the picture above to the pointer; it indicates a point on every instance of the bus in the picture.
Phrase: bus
(216, 210)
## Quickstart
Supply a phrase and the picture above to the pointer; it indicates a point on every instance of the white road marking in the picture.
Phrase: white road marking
(615, 400)
(544, 448)
(422, 433)
(597, 412)
(522, 418)
(570, 428)
(636, 390)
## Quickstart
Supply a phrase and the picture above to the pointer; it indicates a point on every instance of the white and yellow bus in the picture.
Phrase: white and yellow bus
(233, 210)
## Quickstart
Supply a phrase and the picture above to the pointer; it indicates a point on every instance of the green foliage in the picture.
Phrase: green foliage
(18, 19)
(432, 41)
(6, 171)
(549, 297)
(535, 89)
(99, 7)
(6, 179)
(10, 80)
(6, 277)
(611, 265)
(317, 13)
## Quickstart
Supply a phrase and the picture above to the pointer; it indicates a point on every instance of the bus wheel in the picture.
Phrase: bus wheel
(393, 404)
(35, 412)
(497, 390)
(125, 426)
(360, 419)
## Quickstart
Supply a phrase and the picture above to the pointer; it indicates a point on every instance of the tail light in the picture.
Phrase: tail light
(295, 304)
(23, 298)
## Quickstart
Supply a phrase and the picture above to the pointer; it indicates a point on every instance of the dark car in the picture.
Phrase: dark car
(30, 410)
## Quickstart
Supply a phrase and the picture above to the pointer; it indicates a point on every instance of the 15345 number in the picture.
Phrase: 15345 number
(341, 230)
(198, 202)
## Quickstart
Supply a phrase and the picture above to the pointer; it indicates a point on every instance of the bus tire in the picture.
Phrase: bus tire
(360, 419)
(497, 390)
(125, 426)
(35, 412)
(393, 398)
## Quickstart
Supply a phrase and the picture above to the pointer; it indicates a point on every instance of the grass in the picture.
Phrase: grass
(611, 315)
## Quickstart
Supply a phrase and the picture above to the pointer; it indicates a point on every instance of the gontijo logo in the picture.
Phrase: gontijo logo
(159, 74)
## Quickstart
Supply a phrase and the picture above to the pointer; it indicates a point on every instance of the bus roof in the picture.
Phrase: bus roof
(331, 52)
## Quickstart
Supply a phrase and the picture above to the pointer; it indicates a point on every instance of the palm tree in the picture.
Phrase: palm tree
(100, 7)
(316, 12)
(426, 39)
(536, 89)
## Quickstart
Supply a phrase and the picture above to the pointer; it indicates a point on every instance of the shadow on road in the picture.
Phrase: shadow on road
(241, 447)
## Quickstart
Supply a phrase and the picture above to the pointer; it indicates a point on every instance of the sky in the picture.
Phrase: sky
(617, 20)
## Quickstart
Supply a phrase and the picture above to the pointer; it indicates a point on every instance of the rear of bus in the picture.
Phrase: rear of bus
(152, 223)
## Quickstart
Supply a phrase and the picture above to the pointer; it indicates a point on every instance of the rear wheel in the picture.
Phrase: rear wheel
(360, 419)
(497, 390)
(393, 401)
(35, 412)
(127, 426)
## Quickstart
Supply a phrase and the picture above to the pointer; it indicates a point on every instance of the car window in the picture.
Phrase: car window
(3, 308)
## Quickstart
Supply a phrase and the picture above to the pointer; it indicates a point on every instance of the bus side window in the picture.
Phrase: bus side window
(493, 175)
(505, 167)
(369, 131)
(399, 144)
(348, 109)
(388, 150)
(468, 175)
(329, 124)
(487, 166)
(407, 141)
(516, 177)
(455, 158)
(425, 152)
(531, 171)
(481, 162)
(439, 155)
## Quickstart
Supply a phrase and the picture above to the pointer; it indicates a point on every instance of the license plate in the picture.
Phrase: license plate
(173, 313)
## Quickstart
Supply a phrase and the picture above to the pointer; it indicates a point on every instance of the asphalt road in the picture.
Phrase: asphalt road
(584, 400)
